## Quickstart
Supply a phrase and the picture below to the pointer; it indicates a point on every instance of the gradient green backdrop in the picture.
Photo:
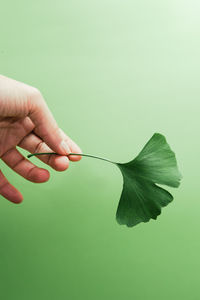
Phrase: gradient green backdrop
(113, 73)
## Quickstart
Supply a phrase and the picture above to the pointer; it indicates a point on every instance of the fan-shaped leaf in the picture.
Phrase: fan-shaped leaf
(141, 197)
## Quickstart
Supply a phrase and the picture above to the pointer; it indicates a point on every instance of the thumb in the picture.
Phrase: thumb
(45, 125)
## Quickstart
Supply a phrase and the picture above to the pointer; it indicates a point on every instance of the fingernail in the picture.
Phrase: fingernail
(65, 147)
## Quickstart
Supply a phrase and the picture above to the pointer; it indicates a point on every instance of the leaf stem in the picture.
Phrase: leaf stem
(78, 154)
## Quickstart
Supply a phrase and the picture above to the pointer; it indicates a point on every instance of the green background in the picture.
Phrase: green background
(113, 73)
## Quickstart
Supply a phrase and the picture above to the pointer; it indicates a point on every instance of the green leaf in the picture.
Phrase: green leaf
(141, 198)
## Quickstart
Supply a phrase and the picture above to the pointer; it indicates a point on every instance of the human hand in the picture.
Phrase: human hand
(26, 122)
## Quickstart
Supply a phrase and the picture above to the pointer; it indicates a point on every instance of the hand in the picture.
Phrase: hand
(26, 122)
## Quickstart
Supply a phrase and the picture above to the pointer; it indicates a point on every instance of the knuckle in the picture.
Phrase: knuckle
(34, 97)
(34, 92)
(29, 173)
(39, 147)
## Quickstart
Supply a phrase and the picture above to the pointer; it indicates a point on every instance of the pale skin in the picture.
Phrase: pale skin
(26, 122)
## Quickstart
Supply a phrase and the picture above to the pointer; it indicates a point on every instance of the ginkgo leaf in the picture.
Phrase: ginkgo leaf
(141, 197)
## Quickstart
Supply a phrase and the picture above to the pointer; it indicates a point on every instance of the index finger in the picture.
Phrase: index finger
(45, 125)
